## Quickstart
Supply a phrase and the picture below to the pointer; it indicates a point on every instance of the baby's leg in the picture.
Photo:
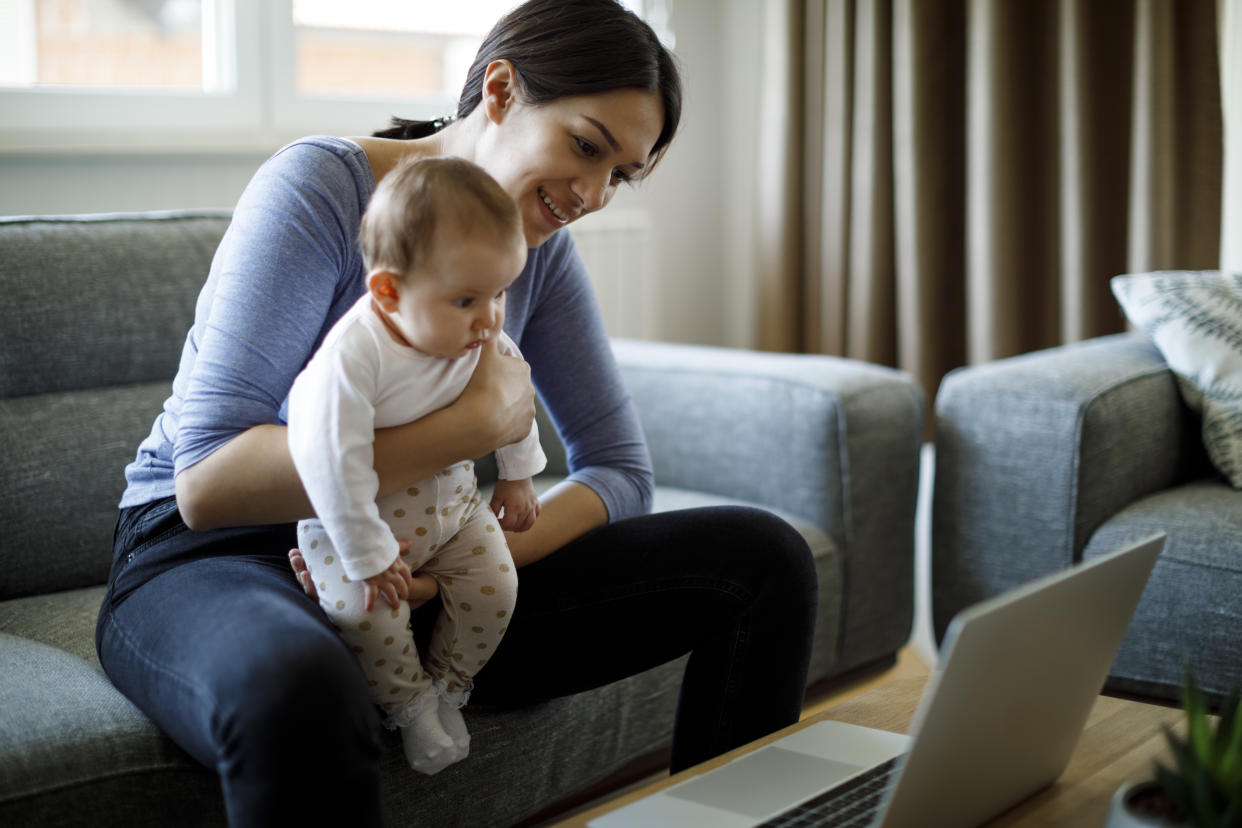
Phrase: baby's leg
(478, 588)
(382, 641)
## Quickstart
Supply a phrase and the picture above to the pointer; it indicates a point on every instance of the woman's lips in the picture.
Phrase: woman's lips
(558, 216)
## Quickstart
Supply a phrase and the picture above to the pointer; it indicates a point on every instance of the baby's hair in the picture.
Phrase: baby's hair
(399, 225)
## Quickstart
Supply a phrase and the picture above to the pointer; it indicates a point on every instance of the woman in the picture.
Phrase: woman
(204, 625)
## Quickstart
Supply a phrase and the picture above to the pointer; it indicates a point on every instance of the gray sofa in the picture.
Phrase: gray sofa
(95, 310)
(1061, 455)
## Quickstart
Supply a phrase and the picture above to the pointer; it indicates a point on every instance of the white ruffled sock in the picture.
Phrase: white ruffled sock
(428, 748)
(455, 726)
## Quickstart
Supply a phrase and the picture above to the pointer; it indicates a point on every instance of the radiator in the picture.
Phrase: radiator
(618, 249)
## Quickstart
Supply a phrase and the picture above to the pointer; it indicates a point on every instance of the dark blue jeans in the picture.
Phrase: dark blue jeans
(211, 636)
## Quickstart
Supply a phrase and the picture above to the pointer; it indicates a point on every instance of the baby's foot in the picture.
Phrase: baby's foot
(428, 748)
(455, 726)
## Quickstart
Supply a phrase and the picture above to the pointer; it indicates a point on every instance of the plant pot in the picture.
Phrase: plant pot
(1141, 805)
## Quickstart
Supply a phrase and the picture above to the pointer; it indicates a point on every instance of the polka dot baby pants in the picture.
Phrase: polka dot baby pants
(453, 536)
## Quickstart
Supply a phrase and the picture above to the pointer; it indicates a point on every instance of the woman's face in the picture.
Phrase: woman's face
(564, 159)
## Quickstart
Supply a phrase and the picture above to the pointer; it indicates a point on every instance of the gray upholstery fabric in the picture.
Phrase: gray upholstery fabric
(96, 311)
(64, 620)
(93, 301)
(1045, 458)
(1191, 611)
(77, 752)
(92, 434)
(783, 430)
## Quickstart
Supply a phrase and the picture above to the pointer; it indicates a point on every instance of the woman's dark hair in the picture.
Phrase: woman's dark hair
(561, 48)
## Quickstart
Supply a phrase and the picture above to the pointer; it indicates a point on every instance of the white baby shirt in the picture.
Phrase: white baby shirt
(359, 380)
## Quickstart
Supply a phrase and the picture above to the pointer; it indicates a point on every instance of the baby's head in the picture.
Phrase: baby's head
(442, 241)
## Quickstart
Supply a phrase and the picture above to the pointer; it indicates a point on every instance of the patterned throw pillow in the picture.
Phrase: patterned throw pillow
(1195, 319)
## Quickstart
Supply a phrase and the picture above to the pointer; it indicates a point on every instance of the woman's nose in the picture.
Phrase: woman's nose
(594, 191)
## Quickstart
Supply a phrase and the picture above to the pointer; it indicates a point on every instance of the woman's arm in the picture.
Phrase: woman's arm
(567, 511)
(585, 396)
(251, 479)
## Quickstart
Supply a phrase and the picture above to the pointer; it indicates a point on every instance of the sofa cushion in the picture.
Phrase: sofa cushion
(75, 749)
(48, 441)
(1195, 318)
(1191, 608)
(64, 620)
(100, 300)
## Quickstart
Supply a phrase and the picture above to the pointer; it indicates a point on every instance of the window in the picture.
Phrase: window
(388, 48)
(103, 74)
(206, 75)
(97, 43)
(364, 61)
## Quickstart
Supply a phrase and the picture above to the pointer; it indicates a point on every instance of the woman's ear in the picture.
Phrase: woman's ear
(384, 288)
(499, 89)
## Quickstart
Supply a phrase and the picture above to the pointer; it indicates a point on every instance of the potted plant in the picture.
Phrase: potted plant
(1204, 786)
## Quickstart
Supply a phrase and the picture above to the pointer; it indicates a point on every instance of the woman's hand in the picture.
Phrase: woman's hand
(502, 397)
(420, 587)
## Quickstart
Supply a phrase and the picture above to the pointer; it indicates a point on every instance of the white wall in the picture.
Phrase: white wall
(700, 199)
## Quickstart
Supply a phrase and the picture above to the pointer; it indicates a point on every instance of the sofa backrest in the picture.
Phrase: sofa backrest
(94, 313)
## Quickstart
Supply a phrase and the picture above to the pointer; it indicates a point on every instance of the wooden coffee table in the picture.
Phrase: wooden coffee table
(1121, 741)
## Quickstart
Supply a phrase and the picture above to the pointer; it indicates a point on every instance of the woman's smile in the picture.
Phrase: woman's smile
(572, 153)
(557, 212)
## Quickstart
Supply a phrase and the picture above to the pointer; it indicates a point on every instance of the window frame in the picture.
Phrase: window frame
(298, 113)
(53, 119)
(262, 108)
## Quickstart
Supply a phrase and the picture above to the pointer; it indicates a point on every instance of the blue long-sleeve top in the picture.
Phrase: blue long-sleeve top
(289, 266)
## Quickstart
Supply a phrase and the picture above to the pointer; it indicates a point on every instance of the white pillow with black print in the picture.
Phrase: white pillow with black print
(1195, 319)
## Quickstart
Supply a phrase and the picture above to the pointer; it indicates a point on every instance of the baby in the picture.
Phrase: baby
(441, 241)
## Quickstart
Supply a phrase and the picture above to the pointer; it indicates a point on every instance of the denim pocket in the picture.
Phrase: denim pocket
(143, 545)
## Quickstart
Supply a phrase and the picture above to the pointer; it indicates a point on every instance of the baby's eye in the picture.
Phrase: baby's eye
(464, 302)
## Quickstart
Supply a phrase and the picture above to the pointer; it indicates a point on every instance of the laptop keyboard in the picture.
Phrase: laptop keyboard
(852, 803)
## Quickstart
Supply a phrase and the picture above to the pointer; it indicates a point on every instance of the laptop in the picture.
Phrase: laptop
(998, 720)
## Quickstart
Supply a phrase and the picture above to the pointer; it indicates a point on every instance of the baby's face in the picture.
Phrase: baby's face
(455, 300)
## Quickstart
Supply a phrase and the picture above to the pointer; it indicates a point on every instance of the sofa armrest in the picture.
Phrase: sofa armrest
(1033, 453)
(833, 441)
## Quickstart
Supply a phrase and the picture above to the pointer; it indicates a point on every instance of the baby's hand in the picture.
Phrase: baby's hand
(393, 583)
(515, 504)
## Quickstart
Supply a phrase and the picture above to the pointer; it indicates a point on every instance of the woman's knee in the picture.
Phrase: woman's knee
(767, 540)
(305, 699)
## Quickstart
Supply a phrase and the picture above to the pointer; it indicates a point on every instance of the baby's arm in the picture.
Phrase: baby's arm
(331, 434)
(516, 504)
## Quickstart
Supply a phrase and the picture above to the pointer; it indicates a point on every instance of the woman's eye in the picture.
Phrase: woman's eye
(587, 147)
(621, 177)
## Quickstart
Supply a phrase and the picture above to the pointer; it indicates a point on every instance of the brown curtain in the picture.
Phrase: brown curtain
(948, 182)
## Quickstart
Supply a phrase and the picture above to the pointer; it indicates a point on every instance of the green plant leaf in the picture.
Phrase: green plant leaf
(1198, 731)
(1229, 741)
(1204, 785)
